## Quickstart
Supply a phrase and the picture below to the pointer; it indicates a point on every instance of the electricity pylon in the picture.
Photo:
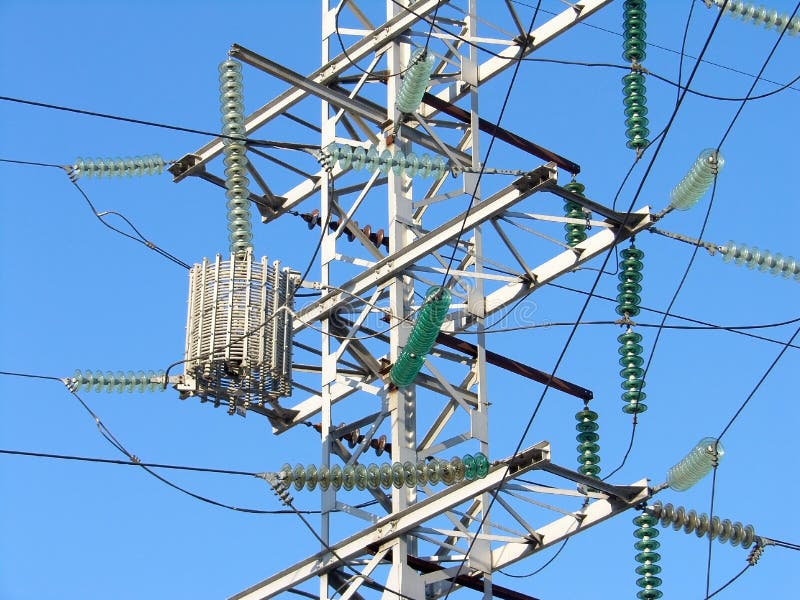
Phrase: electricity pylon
(442, 226)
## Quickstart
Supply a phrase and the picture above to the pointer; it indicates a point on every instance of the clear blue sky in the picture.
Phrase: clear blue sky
(76, 295)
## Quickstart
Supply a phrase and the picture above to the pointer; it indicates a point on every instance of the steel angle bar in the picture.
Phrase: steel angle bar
(325, 74)
(567, 526)
(537, 180)
(394, 525)
(513, 366)
(356, 107)
(566, 261)
(508, 56)
(501, 133)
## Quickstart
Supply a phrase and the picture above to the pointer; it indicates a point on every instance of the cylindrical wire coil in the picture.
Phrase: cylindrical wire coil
(234, 148)
(760, 15)
(588, 448)
(422, 337)
(134, 166)
(385, 475)
(647, 557)
(98, 381)
(714, 528)
(697, 181)
(415, 81)
(763, 260)
(696, 464)
(371, 160)
(575, 232)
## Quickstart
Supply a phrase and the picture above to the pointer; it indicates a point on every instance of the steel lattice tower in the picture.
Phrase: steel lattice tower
(416, 540)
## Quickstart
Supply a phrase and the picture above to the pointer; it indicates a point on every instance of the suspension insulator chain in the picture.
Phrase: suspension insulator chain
(647, 557)
(633, 88)
(630, 349)
(576, 233)
(588, 448)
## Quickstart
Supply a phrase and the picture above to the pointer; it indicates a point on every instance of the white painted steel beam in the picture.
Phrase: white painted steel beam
(381, 36)
(392, 526)
(537, 180)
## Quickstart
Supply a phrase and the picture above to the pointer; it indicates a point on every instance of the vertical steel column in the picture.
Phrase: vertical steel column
(481, 555)
(401, 402)
(327, 254)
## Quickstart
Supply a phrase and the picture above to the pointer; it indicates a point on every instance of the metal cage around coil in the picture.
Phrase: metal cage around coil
(239, 331)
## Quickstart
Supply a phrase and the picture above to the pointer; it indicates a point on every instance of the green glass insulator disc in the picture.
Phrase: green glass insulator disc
(629, 336)
(410, 474)
(575, 187)
(631, 360)
(629, 286)
(632, 385)
(630, 350)
(645, 546)
(645, 531)
(587, 436)
(311, 477)
(448, 473)
(458, 468)
(631, 373)
(649, 594)
(637, 121)
(299, 477)
(589, 458)
(632, 252)
(324, 478)
(590, 470)
(422, 478)
(286, 473)
(587, 426)
(386, 476)
(361, 477)
(348, 477)
(588, 448)
(634, 397)
(648, 581)
(586, 414)
(646, 556)
(432, 472)
(373, 476)
(482, 465)
(635, 110)
(470, 467)
(633, 100)
(398, 475)
(336, 477)
(634, 408)
(648, 569)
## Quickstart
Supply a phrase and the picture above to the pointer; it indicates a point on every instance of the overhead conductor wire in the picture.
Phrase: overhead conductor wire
(595, 284)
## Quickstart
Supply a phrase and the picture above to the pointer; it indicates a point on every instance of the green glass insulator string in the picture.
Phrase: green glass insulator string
(422, 337)
(647, 557)
(575, 232)
(234, 148)
(698, 463)
(697, 181)
(98, 381)
(759, 15)
(714, 528)
(762, 260)
(415, 81)
(630, 349)
(372, 159)
(135, 166)
(588, 448)
(386, 475)
(634, 47)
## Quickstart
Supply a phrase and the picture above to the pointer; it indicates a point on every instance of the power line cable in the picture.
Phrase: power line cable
(91, 113)
(651, 44)
(597, 279)
(730, 581)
